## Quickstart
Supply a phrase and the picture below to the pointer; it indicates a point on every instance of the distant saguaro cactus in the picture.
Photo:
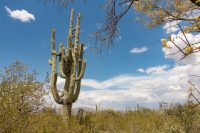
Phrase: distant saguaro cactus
(71, 68)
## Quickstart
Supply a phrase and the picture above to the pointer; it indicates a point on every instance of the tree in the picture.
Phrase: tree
(196, 2)
(154, 13)
(193, 94)
(20, 95)
(182, 15)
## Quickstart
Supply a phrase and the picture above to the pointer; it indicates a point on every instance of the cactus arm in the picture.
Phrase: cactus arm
(53, 39)
(78, 80)
(54, 90)
(70, 33)
(53, 87)
(77, 91)
(82, 64)
(52, 61)
(61, 60)
(81, 74)
(77, 32)
(81, 70)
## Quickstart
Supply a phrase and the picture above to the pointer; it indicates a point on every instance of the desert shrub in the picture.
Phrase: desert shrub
(22, 110)
(181, 118)
(20, 95)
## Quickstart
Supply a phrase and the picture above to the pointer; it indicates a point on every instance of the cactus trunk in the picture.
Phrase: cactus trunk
(67, 113)
(71, 68)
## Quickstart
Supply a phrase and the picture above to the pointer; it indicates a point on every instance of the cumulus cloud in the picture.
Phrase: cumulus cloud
(22, 15)
(95, 84)
(171, 27)
(154, 70)
(141, 70)
(160, 83)
(139, 50)
(129, 90)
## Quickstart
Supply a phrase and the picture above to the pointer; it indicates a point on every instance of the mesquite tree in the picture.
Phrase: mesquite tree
(71, 68)
(154, 12)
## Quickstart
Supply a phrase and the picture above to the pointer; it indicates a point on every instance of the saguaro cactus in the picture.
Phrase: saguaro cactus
(71, 68)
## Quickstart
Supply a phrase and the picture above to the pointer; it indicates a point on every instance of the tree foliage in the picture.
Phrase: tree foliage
(184, 15)
(20, 95)
(154, 13)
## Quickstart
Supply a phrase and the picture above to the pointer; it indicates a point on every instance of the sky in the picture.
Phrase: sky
(137, 70)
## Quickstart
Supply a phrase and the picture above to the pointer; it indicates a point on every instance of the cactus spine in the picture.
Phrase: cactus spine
(71, 68)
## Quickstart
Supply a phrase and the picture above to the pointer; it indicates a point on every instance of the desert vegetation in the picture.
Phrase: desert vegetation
(23, 102)
(23, 110)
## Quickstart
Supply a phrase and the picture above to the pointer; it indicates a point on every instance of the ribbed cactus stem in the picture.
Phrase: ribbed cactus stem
(54, 71)
(53, 52)
(71, 68)
(70, 34)
(53, 40)
(80, 76)
(62, 60)
(77, 29)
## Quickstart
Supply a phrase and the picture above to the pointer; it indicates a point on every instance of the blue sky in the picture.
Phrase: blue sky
(29, 42)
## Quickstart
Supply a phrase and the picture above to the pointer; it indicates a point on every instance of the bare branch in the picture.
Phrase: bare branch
(109, 31)
(196, 2)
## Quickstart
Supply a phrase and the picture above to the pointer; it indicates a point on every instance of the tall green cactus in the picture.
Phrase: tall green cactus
(71, 68)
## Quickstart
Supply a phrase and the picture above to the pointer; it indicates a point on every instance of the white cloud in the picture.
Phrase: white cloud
(171, 27)
(129, 90)
(154, 70)
(95, 84)
(22, 15)
(139, 50)
(160, 83)
(141, 70)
